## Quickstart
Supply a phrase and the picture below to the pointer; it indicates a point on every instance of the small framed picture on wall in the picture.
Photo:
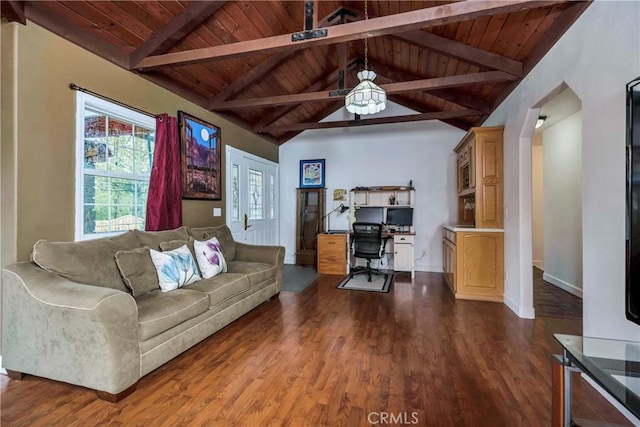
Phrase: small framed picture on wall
(312, 173)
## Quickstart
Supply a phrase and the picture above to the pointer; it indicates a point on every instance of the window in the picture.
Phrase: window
(113, 165)
(255, 194)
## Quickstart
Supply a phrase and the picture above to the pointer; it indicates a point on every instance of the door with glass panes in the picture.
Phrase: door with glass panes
(252, 198)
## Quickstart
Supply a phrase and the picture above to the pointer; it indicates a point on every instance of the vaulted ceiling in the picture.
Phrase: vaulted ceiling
(447, 60)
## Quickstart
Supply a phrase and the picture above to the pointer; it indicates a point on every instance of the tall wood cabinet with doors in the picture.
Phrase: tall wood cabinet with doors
(473, 249)
(480, 181)
(309, 222)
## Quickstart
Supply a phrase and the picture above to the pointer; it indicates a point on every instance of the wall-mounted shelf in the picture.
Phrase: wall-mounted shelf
(382, 196)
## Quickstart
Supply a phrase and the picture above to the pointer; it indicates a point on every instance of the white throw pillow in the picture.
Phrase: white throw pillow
(209, 257)
(175, 268)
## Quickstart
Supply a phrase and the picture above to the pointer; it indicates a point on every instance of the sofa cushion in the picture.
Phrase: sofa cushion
(159, 311)
(152, 239)
(175, 244)
(209, 257)
(258, 272)
(137, 270)
(224, 236)
(222, 287)
(175, 269)
(128, 240)
(91, 262)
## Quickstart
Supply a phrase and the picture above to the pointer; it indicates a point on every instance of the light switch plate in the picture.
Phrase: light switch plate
(217, 212)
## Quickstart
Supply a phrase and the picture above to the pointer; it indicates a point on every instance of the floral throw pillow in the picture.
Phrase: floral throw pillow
(175, 268)
(210, 258)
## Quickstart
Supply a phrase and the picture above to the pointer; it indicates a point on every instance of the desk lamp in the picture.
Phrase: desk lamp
(340, 207)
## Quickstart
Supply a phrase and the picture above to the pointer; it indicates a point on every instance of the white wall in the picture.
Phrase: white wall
(596, 57)
(379, 155)
(563, 204)
(537, 197)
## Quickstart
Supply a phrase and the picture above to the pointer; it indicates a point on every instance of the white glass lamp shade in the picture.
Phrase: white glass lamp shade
(366, 97)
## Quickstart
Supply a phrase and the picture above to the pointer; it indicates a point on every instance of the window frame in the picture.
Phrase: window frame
(84, 101)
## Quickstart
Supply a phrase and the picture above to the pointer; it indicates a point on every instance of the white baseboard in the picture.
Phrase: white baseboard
(522, 312)
(538, 264)
(624, 411)
(2, 370)
(563, 285)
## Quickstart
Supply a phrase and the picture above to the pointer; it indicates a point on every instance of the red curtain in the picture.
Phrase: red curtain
(164, 201)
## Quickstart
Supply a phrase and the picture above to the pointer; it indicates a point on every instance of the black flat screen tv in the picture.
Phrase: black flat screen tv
(632, 286)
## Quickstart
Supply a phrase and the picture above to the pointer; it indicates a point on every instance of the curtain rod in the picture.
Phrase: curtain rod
(74, 86)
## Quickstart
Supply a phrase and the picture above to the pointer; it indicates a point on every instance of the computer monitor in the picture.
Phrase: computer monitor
(400, 216)
(370, 214)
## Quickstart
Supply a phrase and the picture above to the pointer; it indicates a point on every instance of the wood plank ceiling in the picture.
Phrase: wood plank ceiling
(450, 61)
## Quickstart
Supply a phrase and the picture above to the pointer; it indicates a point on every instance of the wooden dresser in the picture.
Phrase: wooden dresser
(332, 254)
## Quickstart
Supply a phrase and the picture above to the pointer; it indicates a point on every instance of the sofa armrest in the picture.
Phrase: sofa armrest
(80, 334)
(259, 253)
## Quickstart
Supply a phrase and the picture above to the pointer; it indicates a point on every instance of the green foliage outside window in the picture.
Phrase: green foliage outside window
(118, 160)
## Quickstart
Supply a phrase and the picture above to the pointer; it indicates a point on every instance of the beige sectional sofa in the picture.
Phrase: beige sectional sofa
(70, 316)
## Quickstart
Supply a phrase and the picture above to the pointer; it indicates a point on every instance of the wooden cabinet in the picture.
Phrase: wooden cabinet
(309, 221)
(403, 252)
(449, 258)
(332, 254)
(480, 177)
(473, 264)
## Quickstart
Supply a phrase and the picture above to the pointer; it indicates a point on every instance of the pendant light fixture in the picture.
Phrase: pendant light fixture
(366, 97)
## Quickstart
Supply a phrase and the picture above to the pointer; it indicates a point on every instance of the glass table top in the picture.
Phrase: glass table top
(613, 364)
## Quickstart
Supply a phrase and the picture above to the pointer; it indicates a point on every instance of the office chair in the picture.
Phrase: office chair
(367, 244)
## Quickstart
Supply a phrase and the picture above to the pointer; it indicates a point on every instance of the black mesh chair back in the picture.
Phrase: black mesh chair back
(367, 244)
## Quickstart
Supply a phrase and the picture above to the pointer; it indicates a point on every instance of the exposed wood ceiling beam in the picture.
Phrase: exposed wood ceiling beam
(265, 66)
(450, 95)
(426, 84)
(176, 29)
(13, 11)
(454, 49)
(319, 85)
(256, 73)
(437, 115)
(401, 22)
(461, 51)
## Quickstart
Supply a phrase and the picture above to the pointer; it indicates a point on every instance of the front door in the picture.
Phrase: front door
(252, 192)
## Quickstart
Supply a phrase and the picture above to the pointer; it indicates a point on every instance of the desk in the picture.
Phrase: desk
(334, 254)
(613, 364)
(403, 250)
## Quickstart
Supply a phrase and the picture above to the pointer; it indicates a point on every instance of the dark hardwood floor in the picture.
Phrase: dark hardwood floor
(330, 357)
(550, 300)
